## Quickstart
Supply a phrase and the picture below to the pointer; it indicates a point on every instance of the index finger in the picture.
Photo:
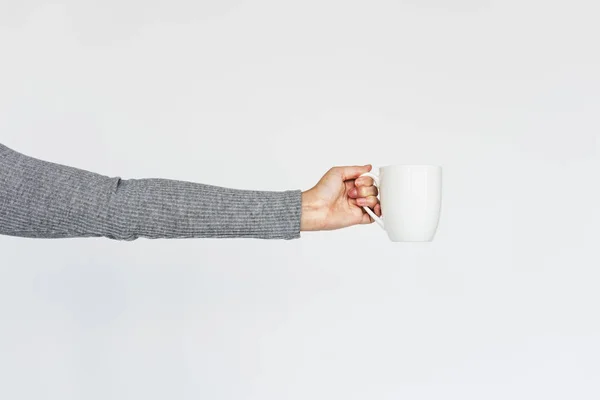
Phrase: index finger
(352, 172)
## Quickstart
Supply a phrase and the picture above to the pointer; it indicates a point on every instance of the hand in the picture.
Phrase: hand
(336, 200)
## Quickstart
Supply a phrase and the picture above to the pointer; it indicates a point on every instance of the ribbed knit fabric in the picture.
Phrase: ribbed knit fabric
(41, 199)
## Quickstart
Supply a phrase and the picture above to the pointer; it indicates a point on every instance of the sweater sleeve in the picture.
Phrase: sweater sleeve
(41, 199)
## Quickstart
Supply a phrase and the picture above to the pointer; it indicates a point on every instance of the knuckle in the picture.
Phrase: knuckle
(362, 181)
(367, 191)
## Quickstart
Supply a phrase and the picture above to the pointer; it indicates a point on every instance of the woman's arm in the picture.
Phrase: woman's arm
(42, 199)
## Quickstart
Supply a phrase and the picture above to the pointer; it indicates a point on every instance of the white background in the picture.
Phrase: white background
(269, 95)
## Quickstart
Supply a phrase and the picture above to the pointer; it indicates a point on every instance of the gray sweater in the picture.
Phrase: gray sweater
(41, 199)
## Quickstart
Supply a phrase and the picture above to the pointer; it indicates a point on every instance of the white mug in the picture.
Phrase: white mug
(411, 199)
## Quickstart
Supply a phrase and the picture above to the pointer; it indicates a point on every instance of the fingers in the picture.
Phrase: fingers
(351, 172)
(362, 187)
(369, 201)
(364, 181)
(359, 192)
(367, 191)
(366, 218)
(377, 210)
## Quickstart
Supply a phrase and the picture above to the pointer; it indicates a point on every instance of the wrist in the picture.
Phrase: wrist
(312, 213)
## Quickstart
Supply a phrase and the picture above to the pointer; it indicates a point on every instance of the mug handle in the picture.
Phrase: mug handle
(367, 209)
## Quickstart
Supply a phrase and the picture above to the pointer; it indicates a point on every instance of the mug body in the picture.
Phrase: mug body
(411, 198)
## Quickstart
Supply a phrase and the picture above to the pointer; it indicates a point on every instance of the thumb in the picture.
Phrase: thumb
(354, 171)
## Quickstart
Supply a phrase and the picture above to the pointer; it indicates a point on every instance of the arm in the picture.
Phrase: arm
(41, 199)
(47, 200)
